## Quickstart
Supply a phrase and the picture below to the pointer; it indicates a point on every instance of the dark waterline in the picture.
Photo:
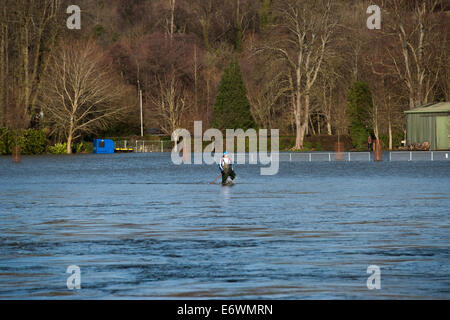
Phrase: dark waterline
(140, 227)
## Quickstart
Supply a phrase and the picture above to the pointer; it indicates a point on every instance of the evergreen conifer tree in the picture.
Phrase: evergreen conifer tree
(232, 108)
(359, 106)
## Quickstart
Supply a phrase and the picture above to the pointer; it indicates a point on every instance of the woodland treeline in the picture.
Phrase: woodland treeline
(299, 60)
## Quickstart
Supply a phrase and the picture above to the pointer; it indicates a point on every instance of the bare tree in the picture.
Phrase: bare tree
(81, 92)
(306, 33)
(205, 10)
(387, 101)
(28, 31)
(171, 22)
(265, 100)
(170, 104)
(444, 80)
(331, 86)
(414, 25)
(267, 88)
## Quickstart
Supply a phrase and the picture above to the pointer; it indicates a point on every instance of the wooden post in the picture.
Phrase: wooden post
(16, 154)
(339, 151)
(377, 150)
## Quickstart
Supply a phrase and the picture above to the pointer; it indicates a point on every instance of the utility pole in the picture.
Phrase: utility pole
(140, 105)
(142, 122)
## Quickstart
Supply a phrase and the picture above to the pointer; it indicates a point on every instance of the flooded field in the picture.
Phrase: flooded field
(140, 227)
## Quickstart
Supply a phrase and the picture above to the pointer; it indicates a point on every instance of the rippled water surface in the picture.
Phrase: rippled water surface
(140, 227)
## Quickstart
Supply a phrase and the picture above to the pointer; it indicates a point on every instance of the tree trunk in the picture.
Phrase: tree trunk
(302, 133)
(411, 100)
(389, 122)
(319, 124)
(70, 137)
(329, 127)
(195, 82)
(69, 144)
(172, 18)
(390, 134)
(205, 32)
(26, 84)
(208, 90)
(306, 113)
(301, 123)
(299, 134)
(313, 130)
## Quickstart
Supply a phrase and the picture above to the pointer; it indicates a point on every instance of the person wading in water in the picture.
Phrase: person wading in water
(226, 168)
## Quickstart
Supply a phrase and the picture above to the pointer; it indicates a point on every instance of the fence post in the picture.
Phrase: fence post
(410, 156)
(329, 157)
(432, 157)
(16, 154)
(377, 150)
(310, 159)
(339, 151)
(162, 146)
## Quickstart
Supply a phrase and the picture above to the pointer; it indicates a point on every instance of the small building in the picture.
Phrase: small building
(103, 146)
(429, 123)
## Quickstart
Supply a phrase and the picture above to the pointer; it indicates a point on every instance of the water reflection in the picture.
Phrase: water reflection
(226, 194)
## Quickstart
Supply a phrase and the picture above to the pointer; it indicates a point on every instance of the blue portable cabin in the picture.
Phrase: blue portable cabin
(103, 146)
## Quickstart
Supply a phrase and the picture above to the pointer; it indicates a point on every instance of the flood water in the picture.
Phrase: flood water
(140, 227)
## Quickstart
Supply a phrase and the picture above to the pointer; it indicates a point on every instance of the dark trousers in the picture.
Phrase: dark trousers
(227, 172)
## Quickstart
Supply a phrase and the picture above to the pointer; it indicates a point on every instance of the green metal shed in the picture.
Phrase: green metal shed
(429, 123)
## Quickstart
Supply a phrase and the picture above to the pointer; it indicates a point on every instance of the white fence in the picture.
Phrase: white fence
(147, 146)
(325, 156)
(419, 156)
(366, 156)
(353, 156)
(152, 146)
(305, 157)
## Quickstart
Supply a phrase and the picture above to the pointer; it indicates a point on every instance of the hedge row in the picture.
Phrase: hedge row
(34, 142)
(30, 141)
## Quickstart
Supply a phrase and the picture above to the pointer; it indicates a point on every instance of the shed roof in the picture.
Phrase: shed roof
(440, 107)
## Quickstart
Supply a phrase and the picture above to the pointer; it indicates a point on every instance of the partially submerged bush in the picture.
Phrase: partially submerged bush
(34, 142)
(9, 139)
(30, 141)
(3, 144)
(59, 148)
(82, 147)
